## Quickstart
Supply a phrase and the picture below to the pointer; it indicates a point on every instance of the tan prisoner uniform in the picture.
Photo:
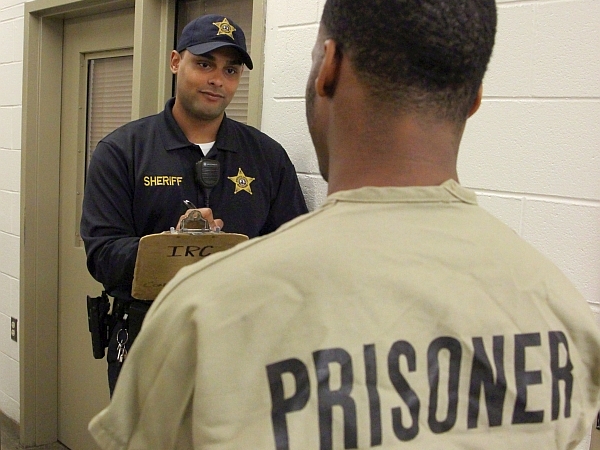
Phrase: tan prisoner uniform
(390, 318)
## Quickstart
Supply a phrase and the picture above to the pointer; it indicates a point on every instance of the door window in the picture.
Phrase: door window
(109, 94)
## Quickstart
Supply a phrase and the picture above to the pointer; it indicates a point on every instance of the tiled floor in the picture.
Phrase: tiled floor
(9, 437)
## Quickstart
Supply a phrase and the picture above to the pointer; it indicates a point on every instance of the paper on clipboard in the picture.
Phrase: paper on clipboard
(160, 256)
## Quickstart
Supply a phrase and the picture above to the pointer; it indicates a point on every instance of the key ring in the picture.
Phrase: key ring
(122, 338)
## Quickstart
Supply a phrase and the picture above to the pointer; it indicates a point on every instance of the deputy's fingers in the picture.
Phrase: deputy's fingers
(214, 224)
(207, 214)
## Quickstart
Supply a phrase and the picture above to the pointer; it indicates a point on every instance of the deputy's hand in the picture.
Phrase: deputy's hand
(207, 215)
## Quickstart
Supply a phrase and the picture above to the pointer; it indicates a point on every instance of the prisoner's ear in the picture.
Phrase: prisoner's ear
(329, 71)
(477, 102)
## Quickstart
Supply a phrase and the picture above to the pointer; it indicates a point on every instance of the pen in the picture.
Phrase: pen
(189, 204)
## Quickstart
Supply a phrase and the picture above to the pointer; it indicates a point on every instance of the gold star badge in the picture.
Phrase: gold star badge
(225, 28)
(241, 181)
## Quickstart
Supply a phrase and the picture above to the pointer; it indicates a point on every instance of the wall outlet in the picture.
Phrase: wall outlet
(13, 329)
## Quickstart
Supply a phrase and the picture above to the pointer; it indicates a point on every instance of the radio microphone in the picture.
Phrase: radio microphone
(208, 172)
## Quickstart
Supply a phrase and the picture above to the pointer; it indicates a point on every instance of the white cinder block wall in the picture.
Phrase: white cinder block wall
(531, 152)
(11, 70)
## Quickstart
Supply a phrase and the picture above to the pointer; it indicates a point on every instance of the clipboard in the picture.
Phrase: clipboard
(161, 255)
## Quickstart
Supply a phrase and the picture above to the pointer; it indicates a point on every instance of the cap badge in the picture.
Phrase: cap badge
(225, 28)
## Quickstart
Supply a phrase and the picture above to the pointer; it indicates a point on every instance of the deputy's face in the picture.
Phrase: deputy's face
(314, 109)
(206, 83)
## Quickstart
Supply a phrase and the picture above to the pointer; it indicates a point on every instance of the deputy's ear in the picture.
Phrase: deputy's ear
(175, 60)
(477, 102)
(327, 77)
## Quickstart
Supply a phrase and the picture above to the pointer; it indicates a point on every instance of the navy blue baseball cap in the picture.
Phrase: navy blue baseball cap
(207, 33)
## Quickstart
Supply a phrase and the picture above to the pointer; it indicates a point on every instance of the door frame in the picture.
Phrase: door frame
(40, 154)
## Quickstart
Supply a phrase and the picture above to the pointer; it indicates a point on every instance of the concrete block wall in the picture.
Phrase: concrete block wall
(531, 152)
(11, 69)
(291, 32)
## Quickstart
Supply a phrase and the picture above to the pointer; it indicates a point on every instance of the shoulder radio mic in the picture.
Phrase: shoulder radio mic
(208, 172)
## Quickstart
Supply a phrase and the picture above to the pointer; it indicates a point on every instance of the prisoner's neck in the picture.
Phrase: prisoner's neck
(393, 151)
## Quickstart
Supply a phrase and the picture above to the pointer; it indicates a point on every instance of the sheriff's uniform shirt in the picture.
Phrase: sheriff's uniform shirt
(389, 318)
(140, 174)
